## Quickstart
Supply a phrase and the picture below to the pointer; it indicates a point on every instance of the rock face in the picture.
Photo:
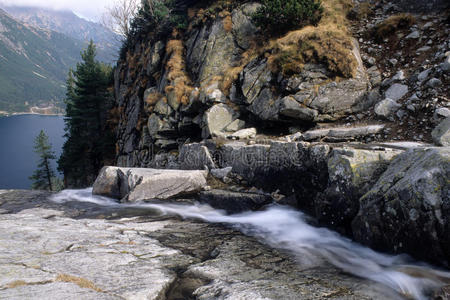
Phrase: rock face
(225, 95)
(408, 207)
(133, 184)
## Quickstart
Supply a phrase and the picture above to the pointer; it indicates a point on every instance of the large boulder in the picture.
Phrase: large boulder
(216, 119)
(137, 184)
(408, 209)
(352, 172)
(441, 134)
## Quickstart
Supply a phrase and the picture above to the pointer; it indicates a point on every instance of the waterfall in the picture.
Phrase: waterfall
(285, 228)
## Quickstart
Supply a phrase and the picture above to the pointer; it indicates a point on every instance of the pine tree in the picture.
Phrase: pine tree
(87, 100)
(43, 177)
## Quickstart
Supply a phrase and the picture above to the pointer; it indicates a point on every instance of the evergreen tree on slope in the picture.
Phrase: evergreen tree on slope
(87, 100)
(43, 177)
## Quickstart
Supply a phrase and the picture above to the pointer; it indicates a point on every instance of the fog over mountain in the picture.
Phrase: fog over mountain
(68, 23)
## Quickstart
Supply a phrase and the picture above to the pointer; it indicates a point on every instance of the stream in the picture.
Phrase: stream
(288, 229)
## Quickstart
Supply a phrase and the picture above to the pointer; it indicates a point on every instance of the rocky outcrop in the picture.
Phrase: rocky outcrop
(408, 207)
(132, 184)
(352, 172)
(223, 92)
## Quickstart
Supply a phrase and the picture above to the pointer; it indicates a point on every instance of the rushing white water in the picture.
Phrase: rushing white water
(285, 228)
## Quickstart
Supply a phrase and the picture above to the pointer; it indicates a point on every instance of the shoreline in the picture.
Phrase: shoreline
(5, 114)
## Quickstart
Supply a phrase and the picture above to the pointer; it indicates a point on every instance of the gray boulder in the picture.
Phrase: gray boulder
(352, 172)
(441, 134)
(216, 119)
(397, 91)
(135, 184)
(408, 209)
(387, 108)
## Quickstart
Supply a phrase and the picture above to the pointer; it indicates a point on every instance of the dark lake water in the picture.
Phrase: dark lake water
(17, 159)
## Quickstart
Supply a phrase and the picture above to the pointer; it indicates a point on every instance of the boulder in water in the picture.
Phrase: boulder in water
(136, 184)
(409, 206)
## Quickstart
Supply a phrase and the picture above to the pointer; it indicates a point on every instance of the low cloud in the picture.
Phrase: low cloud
(91, 9)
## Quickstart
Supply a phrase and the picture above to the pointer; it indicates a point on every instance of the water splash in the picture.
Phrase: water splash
(285, 228)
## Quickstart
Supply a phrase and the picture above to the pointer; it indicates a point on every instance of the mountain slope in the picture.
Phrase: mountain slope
(33, 64)
(68, 23)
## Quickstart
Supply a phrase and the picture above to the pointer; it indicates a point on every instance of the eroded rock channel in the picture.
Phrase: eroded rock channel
(91, 250)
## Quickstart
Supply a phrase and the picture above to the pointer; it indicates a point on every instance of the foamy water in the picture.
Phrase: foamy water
(285, 228)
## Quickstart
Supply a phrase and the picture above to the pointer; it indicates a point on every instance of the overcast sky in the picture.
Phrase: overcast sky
(90, 9)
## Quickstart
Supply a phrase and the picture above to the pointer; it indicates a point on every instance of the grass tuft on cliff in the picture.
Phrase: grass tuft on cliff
(330, 43)
(180, 84)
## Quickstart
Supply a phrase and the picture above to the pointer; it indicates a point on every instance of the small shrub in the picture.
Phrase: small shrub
(282, 15)
(392, 24)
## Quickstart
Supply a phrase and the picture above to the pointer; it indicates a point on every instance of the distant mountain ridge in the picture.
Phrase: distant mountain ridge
(37, 49)
(33, 65)
(70, 24)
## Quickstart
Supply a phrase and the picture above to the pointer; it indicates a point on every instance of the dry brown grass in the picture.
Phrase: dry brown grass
(152, 99)
(227, 23)
(16, 284)
(176, 66)
(392, 24)
(330, 43)
(81, 282)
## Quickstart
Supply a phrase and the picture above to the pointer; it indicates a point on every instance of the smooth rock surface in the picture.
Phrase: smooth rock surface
(47, 254)
(137, 184)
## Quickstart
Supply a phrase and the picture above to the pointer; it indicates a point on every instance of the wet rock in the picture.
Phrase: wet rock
(139, 255)
(387, 108)
(397, 91)
(136, 184)
(441, 134)
(409, 206)
(352, 172)
(195, 157)
(234, 202)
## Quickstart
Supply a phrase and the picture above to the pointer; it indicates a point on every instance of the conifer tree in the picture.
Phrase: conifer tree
(43, 177)
(87, 100)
